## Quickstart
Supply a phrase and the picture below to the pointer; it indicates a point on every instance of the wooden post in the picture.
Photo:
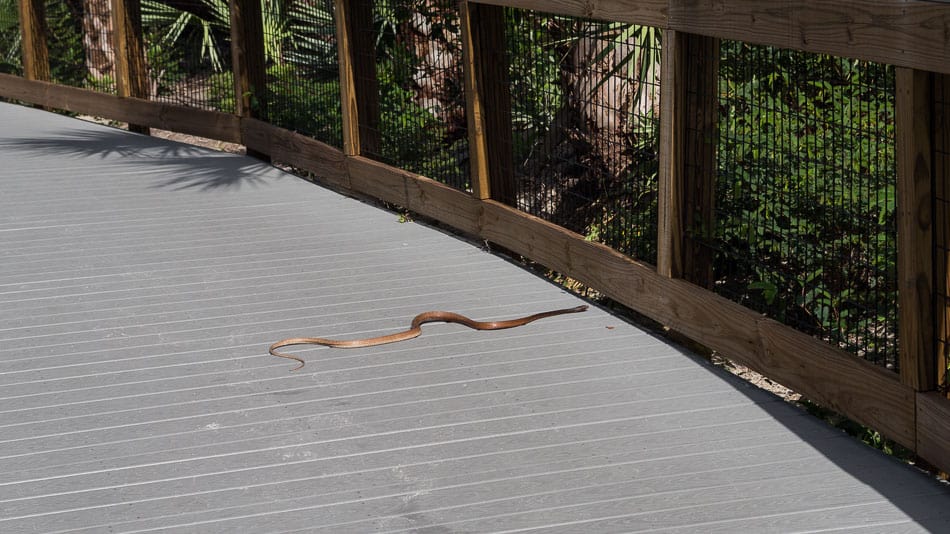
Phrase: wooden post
(914, 111)
(669, 261)
(131, 71)
(248, 63)
(247, 58)
(33, 31)
(474, 111)
(488, 101)
(359, 88)
(688, 136)
(702, 137)
(941, 164)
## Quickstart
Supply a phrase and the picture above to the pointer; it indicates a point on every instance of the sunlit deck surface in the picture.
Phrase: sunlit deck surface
(142, 281)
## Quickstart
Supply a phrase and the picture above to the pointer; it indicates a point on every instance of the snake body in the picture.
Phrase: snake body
(415, 329)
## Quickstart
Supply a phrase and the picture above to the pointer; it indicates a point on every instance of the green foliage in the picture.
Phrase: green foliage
(295, 31)
(10, 60)
(594, 179)
(535, 82)
(630, 211)
(412, 137)
(807, 193)
(67, 57)
(171, 28)
(639, 62)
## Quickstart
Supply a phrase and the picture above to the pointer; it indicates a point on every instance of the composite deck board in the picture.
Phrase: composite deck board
(141, 282)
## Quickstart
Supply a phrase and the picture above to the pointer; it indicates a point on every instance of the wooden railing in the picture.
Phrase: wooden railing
(909, 34)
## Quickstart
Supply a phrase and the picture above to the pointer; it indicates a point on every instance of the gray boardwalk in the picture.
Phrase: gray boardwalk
(141, 282)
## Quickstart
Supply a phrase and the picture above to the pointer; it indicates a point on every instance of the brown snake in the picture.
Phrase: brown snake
(414, 330)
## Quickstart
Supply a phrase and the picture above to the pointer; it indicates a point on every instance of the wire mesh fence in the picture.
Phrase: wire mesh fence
(421, 123)
(65, 41)
(303, 81)
(188, 53)
(941, 129)
(805, 212)
(11, 52)
(585, 98)
(97, 40)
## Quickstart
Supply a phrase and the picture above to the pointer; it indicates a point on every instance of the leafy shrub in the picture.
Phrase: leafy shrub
(10, 60)
(412, 137)
(301, 103)
(806, 220)
(67, 57)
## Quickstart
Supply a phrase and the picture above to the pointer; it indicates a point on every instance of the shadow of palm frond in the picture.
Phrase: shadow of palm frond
(181, 166)
(207, 172)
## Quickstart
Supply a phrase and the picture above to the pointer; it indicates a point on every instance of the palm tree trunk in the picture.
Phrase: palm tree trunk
(97, 39)
(428, 35)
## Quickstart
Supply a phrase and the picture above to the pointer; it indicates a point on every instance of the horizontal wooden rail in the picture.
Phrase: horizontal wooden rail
(933, 424)
(904, 33)
(645, 12)
(296, 150)
(204, 123)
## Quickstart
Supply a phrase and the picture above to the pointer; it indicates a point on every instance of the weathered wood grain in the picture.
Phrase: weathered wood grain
(247, 58)
(645, 12)
(211, 124)
(359, 88)
(326, 162)
(914, 111)
(33, 30)
(910, 33)
(488, 101)
(414, 192)
(670, 207)
(475, 107)
(831, 377)
(689, 134)
(700, 168)
(349, 104)
(130, 69)
(933, 431)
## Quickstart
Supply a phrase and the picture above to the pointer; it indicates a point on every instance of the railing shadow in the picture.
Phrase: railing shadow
(181, 166)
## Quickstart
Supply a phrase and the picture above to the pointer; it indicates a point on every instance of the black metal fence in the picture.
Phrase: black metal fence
(10, 40)
(941, 129)
(805, 221)
(585, 100)
(303, 80)
(421, 123)
(188, 53)
(68, 46)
